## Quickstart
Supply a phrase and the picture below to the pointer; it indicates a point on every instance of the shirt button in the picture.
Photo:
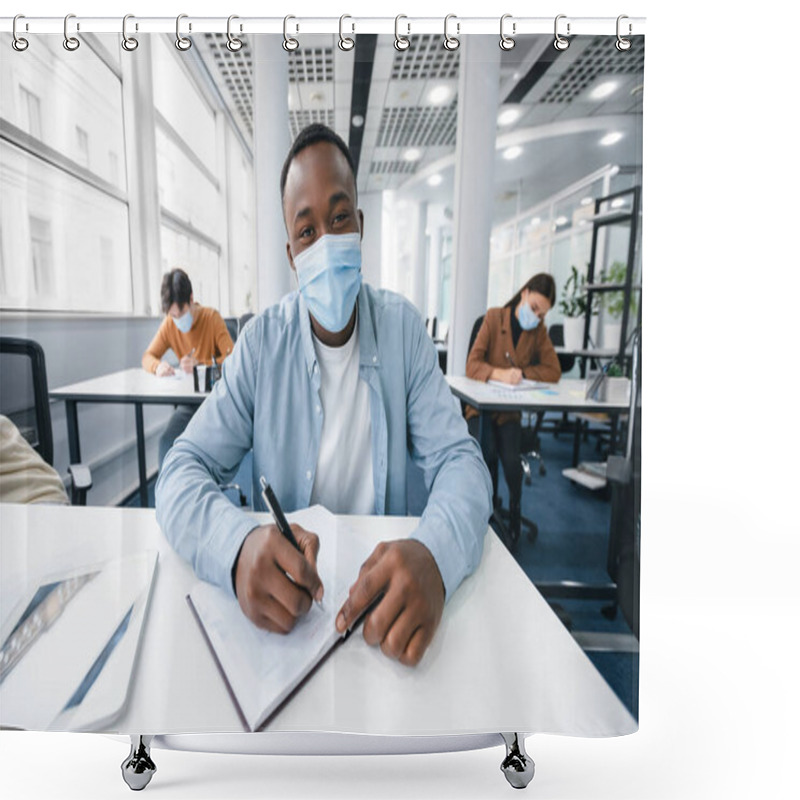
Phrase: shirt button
(318, 408)
(308, 475)
(374, 359)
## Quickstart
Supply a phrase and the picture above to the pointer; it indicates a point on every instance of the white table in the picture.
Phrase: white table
(500, 661)
(126, 386)
(568, 396)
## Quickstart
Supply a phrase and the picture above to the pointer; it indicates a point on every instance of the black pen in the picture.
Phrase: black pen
(271, 501)
(510, 360)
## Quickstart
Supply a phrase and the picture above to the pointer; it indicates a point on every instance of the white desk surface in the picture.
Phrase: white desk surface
(569, 394)
(500, 661)
(132, 385)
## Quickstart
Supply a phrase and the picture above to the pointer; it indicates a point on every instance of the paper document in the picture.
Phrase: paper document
(523, 385)
(263, 668)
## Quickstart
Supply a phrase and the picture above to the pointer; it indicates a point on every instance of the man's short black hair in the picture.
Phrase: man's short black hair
(175, 288)
(312, 134)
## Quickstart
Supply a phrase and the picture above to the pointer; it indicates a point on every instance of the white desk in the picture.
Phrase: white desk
(568, 395)
(126, 386)
(500, 661)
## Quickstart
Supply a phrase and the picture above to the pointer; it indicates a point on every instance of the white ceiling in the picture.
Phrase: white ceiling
(559, 126)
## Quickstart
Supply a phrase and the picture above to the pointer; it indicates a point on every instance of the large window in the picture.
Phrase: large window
(74, 147)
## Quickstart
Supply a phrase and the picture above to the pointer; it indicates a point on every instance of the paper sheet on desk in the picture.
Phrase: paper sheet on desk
(263, 668)
(525, 385)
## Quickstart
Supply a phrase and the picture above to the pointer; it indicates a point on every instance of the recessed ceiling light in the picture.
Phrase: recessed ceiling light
(561, 221)
(618, 202)
(435, 180)
(611, 138)
(439, 95)
(603, 90)
(357, 121)
(412, 154)
(585, 201)
(512, 152)
(508, 116)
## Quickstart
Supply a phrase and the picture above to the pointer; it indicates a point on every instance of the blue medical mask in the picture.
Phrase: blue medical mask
(184, 323)
(527, 319)
(329, 278)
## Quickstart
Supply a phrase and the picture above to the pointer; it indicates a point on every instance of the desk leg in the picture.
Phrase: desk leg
(73, 434)
(142, 456)
(518, 766)
(576, 444)
(138, 768)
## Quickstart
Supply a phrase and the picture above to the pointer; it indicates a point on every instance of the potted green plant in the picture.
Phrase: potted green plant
(572, 305)
(616, 387)
(613, 305)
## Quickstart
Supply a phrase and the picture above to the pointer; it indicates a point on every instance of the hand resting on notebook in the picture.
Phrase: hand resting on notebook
(266, 593)
(405, 619)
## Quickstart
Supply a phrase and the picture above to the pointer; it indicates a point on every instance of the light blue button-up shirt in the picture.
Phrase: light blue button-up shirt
(268, 399)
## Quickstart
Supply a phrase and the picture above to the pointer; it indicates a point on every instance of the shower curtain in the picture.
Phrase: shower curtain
(479, 161)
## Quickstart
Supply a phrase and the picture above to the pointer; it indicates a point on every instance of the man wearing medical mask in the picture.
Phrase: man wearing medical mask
(333, 388)
(196, 334)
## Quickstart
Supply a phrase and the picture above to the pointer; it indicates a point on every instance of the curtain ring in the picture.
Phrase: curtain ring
(70, 42)
(233, 44)
(560, 42)
(181, 42)
(18, 42)
(623, 44)
(451, 42)
(401, 43)
(345, 42)
(289, 43)
(128, 42)
(507, 42)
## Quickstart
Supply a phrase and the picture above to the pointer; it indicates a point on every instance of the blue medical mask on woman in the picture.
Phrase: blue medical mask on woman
(184, 323)
(527, 319)
(329, 278)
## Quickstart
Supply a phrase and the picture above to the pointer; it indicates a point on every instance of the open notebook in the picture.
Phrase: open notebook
(261, 668)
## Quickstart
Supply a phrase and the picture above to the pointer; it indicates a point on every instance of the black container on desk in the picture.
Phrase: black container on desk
(205, 376)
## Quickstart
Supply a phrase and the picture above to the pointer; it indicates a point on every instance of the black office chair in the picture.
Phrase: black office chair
(244, 319)
(232, 324)
(25, 401)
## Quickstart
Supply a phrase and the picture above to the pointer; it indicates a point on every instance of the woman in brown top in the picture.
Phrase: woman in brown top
(512, 344)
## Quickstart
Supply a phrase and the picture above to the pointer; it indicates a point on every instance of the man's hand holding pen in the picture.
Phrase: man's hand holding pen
(267, 594)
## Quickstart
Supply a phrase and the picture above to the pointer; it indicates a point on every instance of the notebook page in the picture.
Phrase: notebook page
(261, 667)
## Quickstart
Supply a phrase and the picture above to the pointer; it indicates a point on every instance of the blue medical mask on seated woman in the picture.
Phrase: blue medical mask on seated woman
(184, 323)
(329, 277)
(527, 319)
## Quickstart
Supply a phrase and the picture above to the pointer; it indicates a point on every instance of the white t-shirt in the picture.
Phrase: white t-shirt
(343, 482)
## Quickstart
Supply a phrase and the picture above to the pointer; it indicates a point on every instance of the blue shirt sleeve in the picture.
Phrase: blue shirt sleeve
(456, 517)
(203, 526)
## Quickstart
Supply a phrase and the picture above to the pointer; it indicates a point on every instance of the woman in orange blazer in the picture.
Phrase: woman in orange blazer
(512, 344)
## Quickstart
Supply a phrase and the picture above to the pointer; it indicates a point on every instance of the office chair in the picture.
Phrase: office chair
(25, 401)
(244, 319)
(232, 324)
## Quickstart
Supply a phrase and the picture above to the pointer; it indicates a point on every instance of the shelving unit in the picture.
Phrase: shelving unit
(604, 218)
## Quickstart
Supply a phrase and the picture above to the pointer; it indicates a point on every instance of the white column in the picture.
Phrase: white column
(478, 83)
(371, 205)
(272, 143)
(144, 207)
(418, 293)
